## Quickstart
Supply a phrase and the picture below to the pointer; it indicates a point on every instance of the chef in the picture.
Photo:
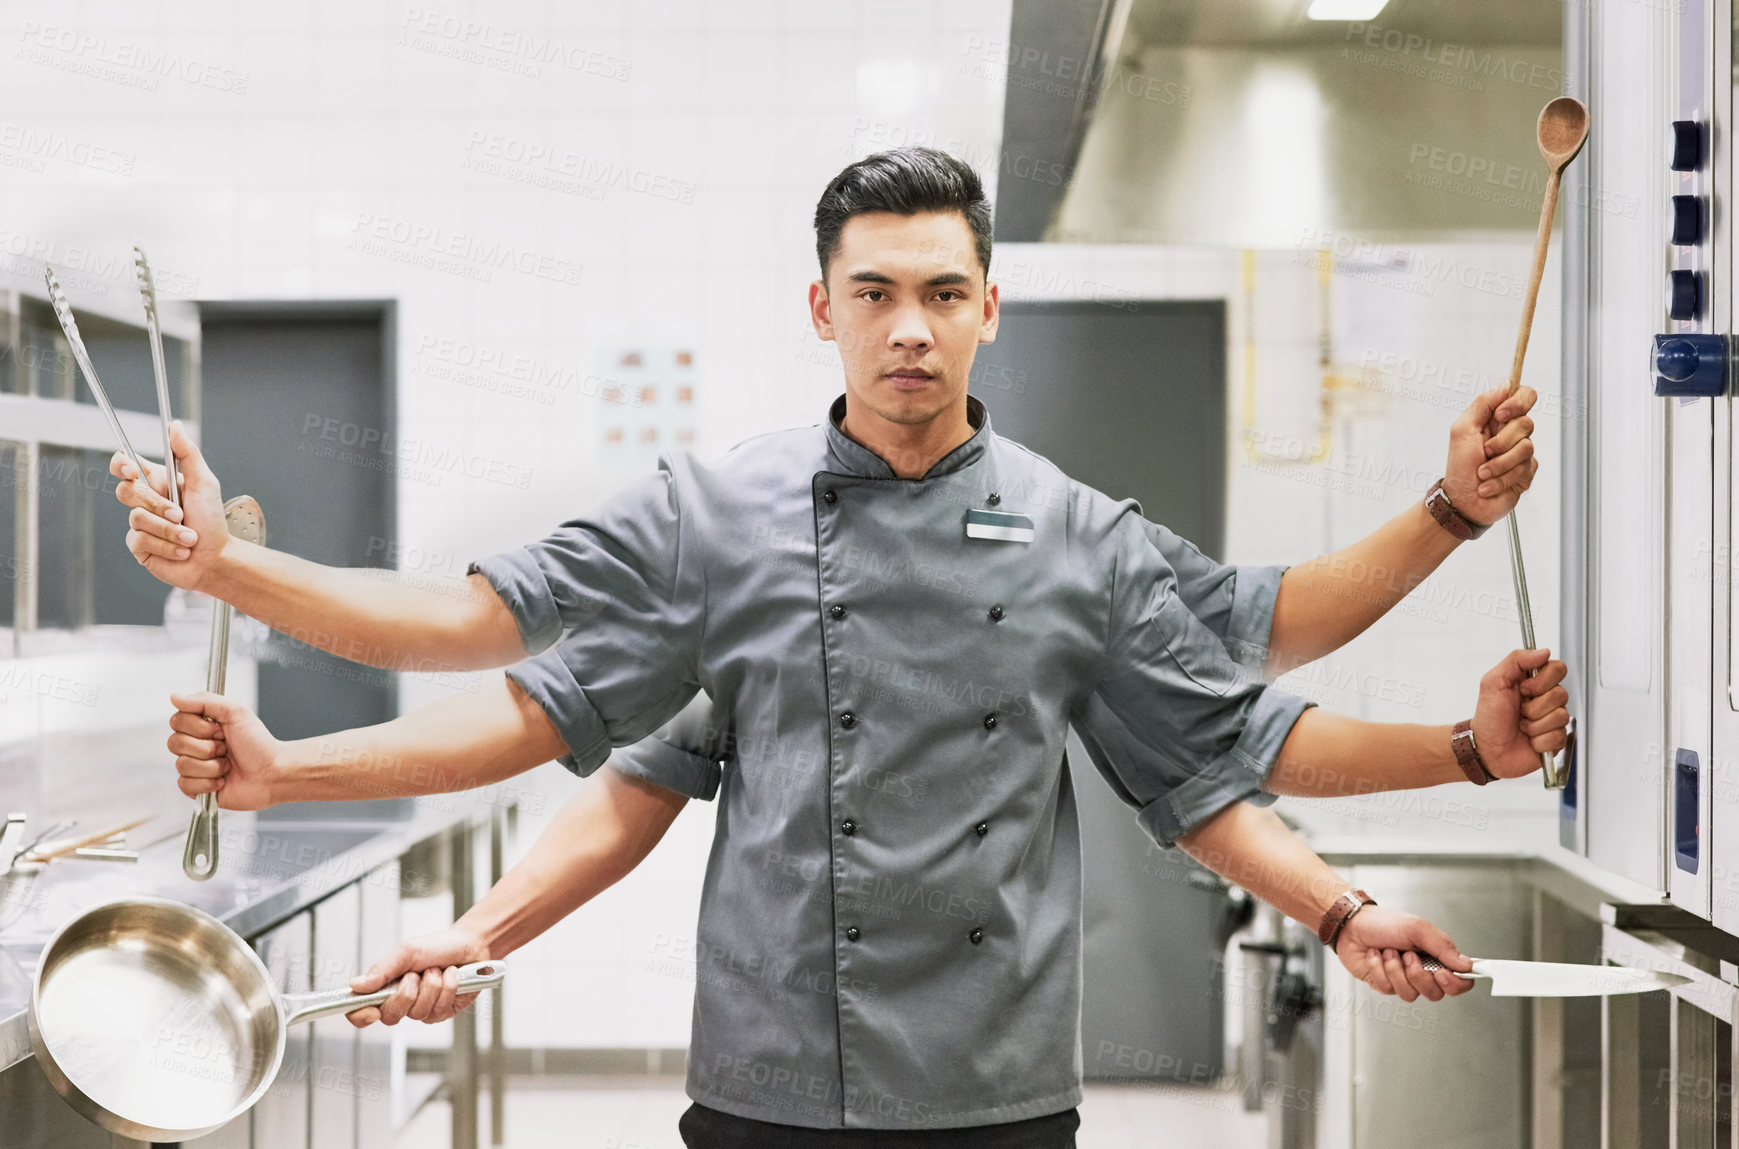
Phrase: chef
(925, 599)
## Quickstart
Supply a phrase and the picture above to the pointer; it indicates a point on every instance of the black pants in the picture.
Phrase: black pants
(704, 1128)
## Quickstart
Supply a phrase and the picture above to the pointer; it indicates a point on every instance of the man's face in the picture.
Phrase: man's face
(906, 300)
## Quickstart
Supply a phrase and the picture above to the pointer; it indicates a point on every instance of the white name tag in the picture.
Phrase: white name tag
(1003, 526)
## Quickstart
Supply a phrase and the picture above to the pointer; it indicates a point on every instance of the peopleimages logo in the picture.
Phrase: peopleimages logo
(507, 49)
(327, 437)
(545, 164)
(18, 679)
(1481, 62)
(136, 65)
(437, 248)
(37, 147)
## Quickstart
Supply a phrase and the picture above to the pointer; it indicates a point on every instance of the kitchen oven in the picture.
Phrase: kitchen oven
(1648, 587)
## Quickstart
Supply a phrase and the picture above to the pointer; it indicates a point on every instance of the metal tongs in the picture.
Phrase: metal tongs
(108, 845)
(242, 516)
(69, 326)
(148, 294)
(20, 864)
(243, 519)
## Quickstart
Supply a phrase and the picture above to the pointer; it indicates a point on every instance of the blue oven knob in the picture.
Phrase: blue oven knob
(1690, 364)
(1687, 145)
(1687, 220)
(1684, 295)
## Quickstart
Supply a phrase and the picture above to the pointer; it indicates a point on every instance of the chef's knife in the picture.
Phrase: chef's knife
(1561, 979)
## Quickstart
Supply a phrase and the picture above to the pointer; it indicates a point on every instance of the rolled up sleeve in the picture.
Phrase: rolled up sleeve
(1235, 602)
(522, 585)
(1174, 791)
(686, 754)
(632, 599)
(1176, 726)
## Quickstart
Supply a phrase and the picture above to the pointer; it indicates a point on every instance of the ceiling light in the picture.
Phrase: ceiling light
(1344, 9)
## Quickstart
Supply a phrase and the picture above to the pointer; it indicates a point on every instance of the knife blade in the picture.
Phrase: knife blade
(1561, 979)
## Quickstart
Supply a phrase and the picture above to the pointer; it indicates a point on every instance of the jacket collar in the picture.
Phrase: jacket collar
(849, 457)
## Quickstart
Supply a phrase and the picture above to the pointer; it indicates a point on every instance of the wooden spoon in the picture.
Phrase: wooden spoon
(1562, 130)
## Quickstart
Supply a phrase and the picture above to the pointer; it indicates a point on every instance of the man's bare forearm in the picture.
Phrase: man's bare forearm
(376, 617)
(1330, 755)
(597, 839)
(459, 744)
(1329, 601)
(1251, 847)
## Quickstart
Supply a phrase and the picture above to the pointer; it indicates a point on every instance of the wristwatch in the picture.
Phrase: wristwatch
(1467, 754)
(1450, 519)
(1340, 913)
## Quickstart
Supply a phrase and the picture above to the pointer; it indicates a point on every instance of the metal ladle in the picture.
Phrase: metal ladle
(244, 520)
(1562, 130)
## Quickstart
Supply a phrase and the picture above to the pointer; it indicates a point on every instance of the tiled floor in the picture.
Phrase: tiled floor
(641, 1113)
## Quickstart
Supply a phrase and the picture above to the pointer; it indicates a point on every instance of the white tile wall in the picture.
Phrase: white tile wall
(320, 125)
(1414, 343)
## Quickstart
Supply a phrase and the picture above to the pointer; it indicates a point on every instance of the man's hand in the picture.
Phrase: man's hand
(1491, 457)
(427, 969)
(179, 545)
(223, 746)
(1518, 718)
(1381, 948)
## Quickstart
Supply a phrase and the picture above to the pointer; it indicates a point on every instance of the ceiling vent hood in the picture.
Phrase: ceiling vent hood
(1245, 123)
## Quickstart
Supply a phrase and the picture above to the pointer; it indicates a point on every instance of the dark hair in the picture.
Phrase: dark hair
(905, 181)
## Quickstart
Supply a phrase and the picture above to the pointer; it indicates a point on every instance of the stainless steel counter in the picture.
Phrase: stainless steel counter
(1568, 876)
(1534, 1064)
(267, 872)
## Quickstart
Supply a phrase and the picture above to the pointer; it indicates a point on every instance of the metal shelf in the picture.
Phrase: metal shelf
(55, 444)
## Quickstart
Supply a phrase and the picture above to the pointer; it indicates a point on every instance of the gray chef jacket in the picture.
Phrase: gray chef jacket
(890, 924)
(689, 753)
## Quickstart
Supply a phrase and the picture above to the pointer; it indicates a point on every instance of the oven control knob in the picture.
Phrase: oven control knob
(1687, 145)
(1684, 295)
(1691, 364)
(1687, 222)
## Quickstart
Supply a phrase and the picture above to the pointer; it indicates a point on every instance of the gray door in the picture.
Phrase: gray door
(299, 412)
(1130, 398)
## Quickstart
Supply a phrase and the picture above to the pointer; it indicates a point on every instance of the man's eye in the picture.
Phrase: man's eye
(954, 294)
(868, 294)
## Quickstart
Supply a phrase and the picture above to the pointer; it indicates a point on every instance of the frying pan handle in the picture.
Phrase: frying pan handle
(326, 1002)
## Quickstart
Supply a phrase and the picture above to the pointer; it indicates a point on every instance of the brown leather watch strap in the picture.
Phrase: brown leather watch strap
(1467, 754)
(1450, 519)
(1335, 920)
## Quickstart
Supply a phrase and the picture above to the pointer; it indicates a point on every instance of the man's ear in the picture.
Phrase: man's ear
(992, 312)
(821, 311)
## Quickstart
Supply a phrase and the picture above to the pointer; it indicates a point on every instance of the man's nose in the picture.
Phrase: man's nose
(910, 329)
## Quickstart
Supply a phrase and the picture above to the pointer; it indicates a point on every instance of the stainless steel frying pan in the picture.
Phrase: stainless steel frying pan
(157, 1022)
